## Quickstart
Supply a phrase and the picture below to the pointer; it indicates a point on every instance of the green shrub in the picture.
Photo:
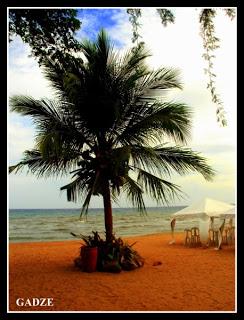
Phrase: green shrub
(113, 256)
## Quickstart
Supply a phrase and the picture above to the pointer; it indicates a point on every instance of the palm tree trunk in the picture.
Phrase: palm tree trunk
(108, 217)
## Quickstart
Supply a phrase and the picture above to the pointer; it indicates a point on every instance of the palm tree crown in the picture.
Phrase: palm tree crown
(108, 127)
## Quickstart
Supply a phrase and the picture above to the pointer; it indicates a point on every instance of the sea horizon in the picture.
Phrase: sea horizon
(95, 208)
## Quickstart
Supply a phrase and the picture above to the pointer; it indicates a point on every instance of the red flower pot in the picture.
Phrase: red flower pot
(89, 259)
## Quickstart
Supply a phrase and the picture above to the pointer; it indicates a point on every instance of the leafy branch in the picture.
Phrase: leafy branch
(166, 16)
(134, 15)
(210, 44)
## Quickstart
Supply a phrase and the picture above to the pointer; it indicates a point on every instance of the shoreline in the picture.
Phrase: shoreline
(77, 239)
(173, 278)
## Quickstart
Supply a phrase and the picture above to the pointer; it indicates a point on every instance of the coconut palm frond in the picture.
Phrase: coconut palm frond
(85, 206)
(37, 109)
(53, 116)
(16, 167)
(55, 71)
(134, 193)
(163, 78)
(97, 53)
(58, 144)
(94, 187)
(132, 61)
(75, 189)
(145, 157)
(72, 84)
(158, 120)
(139, 89)
(184, 160)
(161, 190)
(57, 166)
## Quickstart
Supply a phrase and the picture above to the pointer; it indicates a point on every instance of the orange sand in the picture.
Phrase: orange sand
(188, 279)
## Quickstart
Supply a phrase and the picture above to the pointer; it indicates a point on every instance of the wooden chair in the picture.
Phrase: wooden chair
(187, 237)
(231, 236)
(228, 236)
(225, 236)
(213, 238)
(195, 237)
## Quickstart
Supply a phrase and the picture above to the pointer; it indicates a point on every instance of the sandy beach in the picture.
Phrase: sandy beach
(174, 278)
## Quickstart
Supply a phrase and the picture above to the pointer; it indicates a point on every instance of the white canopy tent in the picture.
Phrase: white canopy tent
(204, 210)
(231, 213)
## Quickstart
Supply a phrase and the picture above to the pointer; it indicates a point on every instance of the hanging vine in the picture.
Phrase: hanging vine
(166, 16)
(210, 44)
(231, 13)
(134, 15)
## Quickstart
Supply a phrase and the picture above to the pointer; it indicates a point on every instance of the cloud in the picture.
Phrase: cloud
(20, 138)
(216, 149)
(122, 31)
(25, 78)
(169, 46)
(26, 191)
(19, 56)
(195, 188)
(114, 21)
(24, 75)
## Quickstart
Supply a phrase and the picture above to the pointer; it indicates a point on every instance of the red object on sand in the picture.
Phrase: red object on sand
(89, 259)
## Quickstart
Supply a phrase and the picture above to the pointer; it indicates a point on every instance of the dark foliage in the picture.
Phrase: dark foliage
(47, 31)
(113, 256)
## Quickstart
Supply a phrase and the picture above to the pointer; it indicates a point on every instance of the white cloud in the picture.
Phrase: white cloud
(25, 78)
(20, 138)
(89, 22)
(24, 75)
(122, 31)
(26, 191)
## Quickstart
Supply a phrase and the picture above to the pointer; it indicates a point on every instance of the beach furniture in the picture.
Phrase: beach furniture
(187, 237)
(213, 238)
(230, 235)
(229, 230)
(192, 237)
(195, 237)
(205, 210)
(225, 236)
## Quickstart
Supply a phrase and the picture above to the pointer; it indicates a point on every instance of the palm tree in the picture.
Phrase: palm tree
(108, 128)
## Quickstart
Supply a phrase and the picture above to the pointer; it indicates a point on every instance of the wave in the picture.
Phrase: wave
(56, 224)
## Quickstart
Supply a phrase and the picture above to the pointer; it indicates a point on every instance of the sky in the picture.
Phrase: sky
(178, 45)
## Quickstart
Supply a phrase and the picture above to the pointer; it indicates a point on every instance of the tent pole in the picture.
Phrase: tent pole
(172, 225)
(221, 229)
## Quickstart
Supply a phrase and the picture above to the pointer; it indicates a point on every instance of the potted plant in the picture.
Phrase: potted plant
(107, 256)
(87, 260)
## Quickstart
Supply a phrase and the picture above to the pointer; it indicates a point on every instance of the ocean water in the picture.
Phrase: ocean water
(27, 225)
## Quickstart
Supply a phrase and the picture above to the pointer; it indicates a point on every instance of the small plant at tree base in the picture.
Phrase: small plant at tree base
(113, 256)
